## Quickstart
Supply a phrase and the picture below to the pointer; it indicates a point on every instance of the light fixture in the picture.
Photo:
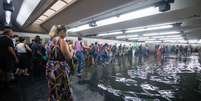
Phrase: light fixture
(149, 28)
(139, 38)
(171, 39)
(68, 1)
(49, 12)
(175, 41)
(148, 40)
(161, 33)
(153, 41)
(9, 1)
(58, 5)
(79, 28)
(126, 36)
(42, 17)
(144, 28)
(8, 17)
(199, 41)
(129, 16)
(112, 33)
(107, 21)
(193, 41)
(139, 14)
(182, 41)
(26, 9)
(169, 36)
(162, 38)
(38, 21)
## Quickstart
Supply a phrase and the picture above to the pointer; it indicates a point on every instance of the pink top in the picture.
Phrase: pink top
(78, 46)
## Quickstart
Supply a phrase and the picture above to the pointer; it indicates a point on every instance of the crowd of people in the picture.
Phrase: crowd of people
(59, 59)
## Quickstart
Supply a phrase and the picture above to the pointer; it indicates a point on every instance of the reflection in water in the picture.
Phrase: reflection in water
(148, 87)
(109, 89)
(166, 93)
(149, 81)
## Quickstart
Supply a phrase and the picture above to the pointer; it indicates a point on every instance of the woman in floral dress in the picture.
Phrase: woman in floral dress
(57, 69)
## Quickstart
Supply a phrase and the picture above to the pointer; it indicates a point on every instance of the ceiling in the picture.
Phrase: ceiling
(187, 12)
(17, 5)
(41, 7)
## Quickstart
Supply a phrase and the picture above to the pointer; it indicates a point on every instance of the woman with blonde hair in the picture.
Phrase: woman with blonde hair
(57, 69)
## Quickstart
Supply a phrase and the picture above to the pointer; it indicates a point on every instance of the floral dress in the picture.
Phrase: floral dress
(57, 72)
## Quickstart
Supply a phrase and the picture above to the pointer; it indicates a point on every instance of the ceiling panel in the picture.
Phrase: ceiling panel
(49, 12)
(68, 1)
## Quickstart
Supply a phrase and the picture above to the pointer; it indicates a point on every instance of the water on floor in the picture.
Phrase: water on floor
(176, 79)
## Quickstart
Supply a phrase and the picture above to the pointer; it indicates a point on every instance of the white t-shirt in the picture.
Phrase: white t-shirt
(21, 48)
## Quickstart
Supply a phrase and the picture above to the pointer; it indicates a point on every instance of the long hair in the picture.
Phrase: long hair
(57, 31)
(61, 30)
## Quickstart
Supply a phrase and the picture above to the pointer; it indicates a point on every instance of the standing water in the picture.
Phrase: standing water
(176, 79)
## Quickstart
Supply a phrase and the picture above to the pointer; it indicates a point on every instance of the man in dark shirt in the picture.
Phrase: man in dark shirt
(37, 66)
(7, 54)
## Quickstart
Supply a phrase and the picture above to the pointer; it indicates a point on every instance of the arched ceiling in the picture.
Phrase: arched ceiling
(187, 12)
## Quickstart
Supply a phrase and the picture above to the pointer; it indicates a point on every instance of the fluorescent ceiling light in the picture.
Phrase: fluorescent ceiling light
(153, 41)
(49, 12)
(171, 39)
(126, 36)
(148, 40)
(162, 33)
(26, 9)
(199, 41)
(138, 38)
(145, 28)
(139, 14)
(129, 16)
(38, 21)
(182, 41)
(156, 38)
(8, 16)
(141, 39)
(68, 1)
(43, 17)
(107, 21)
(112, 33)
(149, 28)
(193, 41)
(77, 29)
(176, 41)
(170, 36)
(8, 1)
(58, 5)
